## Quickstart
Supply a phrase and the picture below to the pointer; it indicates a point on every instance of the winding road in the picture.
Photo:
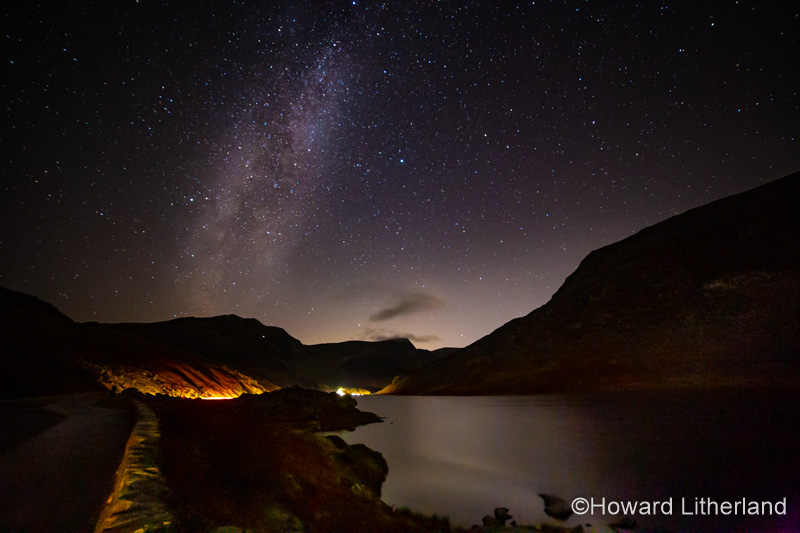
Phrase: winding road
(56, 473)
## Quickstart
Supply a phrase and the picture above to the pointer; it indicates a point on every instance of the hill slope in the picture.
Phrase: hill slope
(707, 298)
(39, 348)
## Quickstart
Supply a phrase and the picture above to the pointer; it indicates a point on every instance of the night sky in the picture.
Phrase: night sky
(362, 170)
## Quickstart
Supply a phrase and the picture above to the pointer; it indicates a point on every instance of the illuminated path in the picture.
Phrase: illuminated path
(59, 479)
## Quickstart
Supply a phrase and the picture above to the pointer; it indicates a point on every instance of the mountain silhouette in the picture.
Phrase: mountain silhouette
(708, 298)
(47, 353)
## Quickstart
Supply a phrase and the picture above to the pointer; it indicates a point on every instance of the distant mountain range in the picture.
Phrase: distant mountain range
(708, 298)
(44, 352)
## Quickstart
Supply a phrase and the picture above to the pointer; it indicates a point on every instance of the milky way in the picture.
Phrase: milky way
(269, 182)
(359, 170)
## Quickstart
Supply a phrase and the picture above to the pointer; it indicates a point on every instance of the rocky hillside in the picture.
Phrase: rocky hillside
(47, 353)
(707, 298)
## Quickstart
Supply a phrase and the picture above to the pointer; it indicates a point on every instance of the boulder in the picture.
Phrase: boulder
(556, 507)
(490, 521)
(501, 514)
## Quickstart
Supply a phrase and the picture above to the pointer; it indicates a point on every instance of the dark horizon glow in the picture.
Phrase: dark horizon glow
(366, 170)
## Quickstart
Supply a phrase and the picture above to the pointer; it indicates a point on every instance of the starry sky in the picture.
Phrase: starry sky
(368, 170)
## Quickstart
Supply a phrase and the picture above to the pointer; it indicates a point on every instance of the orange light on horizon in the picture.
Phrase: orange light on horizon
(218, 397)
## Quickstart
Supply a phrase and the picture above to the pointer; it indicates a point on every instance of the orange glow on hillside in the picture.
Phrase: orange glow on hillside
(181, 380)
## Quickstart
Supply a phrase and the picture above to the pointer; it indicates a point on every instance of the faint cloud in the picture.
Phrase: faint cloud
(408, 303)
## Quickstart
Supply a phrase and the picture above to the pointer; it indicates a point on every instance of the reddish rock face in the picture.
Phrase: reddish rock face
(182, 380)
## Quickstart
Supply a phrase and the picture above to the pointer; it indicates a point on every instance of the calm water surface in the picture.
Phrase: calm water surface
(463, 456)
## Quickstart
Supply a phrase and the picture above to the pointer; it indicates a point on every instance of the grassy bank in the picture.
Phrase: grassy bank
(255, 463)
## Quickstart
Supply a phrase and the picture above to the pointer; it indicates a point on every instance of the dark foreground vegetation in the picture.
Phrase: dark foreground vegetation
(255, 463)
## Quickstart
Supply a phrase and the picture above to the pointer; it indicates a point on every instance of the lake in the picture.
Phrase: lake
(464, 456)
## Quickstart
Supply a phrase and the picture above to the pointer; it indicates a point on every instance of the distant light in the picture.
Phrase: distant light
(342, 391)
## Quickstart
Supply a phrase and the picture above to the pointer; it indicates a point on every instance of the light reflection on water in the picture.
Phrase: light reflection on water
(463, 456)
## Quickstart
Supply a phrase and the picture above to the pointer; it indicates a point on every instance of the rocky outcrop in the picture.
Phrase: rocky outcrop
(556, 507)
(708, 298)
(499, 518)
(362, 463)
(183, 380)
